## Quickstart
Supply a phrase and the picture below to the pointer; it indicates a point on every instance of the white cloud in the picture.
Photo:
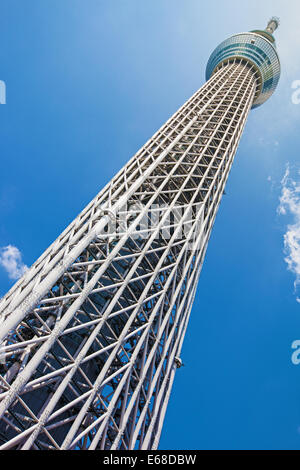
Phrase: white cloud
(290, 205)
(11, 261)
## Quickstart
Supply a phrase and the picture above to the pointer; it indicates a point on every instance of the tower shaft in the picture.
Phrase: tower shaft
(92, 333)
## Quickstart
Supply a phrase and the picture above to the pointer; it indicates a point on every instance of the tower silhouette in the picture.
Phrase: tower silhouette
(91, 335)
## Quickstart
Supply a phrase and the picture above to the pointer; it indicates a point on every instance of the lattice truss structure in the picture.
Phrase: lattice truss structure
(91, 335)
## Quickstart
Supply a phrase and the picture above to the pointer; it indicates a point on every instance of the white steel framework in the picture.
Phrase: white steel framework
(92, 333)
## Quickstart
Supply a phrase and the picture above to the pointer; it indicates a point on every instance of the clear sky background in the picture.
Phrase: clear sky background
(88, 82)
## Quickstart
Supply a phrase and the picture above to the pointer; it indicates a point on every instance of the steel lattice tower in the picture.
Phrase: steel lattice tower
(91, 335)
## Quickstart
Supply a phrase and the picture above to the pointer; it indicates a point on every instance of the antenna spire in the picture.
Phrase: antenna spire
(272, 25)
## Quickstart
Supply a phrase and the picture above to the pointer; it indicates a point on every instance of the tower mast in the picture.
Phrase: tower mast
(272, 25)
(91, 335)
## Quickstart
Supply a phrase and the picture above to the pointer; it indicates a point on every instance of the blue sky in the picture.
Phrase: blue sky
(88, 82)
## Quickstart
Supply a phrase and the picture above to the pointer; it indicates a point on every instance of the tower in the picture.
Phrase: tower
(91, 335)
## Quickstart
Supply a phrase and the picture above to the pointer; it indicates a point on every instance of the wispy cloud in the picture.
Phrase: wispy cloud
(11, 261)
(290, 205)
